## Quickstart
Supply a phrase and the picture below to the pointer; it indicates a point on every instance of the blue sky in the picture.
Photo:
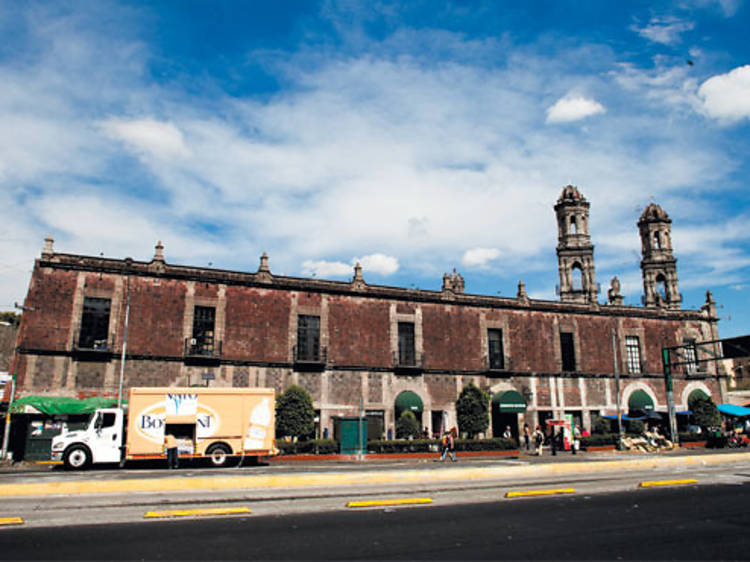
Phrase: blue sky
(414, 137)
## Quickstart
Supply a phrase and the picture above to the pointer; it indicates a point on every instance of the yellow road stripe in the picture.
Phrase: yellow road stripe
(667, 482)
(48, 462)
(401, 501)
(197, 512)
(540, 492)
(11, 521)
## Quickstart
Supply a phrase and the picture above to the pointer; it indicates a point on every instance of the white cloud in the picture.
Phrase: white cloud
(378, 263)
(726, 97)
(322, 268)
(573, 109)
(666, 30)
(479, 257)
(163, 140)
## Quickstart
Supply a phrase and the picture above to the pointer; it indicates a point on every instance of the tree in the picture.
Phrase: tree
(600, 425)
(705, 412)
(295, 415)
(472, 410)
(406, 425)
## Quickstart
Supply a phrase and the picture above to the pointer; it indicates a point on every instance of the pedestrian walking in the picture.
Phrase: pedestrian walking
(553, 441)
(538, 440)
(449, 444)
(170, 444)
(527, 437)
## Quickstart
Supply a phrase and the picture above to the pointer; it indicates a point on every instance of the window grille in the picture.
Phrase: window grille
(495, 349)
(633, 349)
(568, 352)
(308, 338)
(406, 350)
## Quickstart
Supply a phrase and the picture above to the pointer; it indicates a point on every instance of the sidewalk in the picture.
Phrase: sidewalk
(357, 473)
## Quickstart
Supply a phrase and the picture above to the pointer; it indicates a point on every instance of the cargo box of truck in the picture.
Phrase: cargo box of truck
(215, 423)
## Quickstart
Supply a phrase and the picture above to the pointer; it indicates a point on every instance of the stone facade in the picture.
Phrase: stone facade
(558, 355)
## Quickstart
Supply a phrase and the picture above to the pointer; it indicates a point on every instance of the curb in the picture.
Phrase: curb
(338, 479)
(388, 456)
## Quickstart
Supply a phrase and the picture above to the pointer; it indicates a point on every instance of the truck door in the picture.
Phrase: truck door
(108, 428)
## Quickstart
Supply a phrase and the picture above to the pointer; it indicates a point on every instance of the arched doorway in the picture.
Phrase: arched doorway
(506, 405)
(410, 401)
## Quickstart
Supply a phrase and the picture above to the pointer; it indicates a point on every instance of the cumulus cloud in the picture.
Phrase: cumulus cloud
(379, 263)
(322, 268)
(664, 30)
(149, 136)
(726, 97)
(479, 257)
(573, 108)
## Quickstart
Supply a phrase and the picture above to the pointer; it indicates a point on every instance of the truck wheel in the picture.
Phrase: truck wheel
(77, 458)
(219, 454)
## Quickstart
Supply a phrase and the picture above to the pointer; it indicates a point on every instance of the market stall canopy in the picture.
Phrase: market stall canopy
(52, 405)
(510, 401)
(408, 400)
(640, 400)
(732, 410)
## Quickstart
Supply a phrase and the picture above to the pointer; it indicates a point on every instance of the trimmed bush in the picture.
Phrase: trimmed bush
(599, 440)
(690, 437)
(601, 426)
(295, 416)
(406, 425)
(433, 445)
(472, 410)
(311, 447)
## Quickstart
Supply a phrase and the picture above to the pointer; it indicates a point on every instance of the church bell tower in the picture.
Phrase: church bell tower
(575, 253)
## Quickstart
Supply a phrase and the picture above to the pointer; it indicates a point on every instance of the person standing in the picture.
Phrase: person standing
(170, 444)
(449, 444)
(527, 437)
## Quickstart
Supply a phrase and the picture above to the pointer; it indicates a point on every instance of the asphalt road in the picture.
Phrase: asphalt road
(688, 522)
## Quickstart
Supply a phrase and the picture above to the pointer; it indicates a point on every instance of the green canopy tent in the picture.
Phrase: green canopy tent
(408, 400)
(509, 402)
(60, 405)
(640, 400)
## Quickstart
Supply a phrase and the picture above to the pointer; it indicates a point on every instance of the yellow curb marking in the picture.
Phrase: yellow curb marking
(197, 512)
(48, 462)
(401, 501)
(540, 492)
(667, 482)
(339, 479)
(11, 521)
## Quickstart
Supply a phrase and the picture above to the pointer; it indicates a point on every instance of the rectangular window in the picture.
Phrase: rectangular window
(495, 348)
(690, 358)
(406, 351)
(94, 324)
(203, 330)
(633, 349)
(568, 351)
(308, 338)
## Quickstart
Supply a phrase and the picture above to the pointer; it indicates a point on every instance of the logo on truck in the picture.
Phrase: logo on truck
(149, 423)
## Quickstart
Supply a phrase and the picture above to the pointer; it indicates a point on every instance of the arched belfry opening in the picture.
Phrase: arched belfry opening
(658, 264)
(575, 253)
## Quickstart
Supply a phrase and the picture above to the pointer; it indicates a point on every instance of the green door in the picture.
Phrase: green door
(350, 444)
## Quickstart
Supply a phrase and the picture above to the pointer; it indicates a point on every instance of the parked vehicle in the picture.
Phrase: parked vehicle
(213, 423)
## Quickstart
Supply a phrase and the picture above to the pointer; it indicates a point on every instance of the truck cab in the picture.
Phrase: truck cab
(101, 441)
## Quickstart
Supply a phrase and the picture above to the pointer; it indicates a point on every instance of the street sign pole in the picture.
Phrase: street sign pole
(6, 433)
(617, 383)
(670, 394)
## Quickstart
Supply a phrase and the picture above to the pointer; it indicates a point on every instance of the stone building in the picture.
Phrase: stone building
(391, 348)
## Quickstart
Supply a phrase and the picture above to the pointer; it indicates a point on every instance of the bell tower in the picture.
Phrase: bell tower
(575, 253)
(658, 264)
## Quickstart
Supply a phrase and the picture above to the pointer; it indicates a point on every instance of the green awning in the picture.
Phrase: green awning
(510, 401)
(408, 400)
(52, 405)
(696, 394)
(640, 400)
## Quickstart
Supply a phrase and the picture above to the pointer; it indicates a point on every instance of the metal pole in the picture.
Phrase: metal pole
(359, 429)
(670, 395)
(124, 341)
(6, 433)
(617, 382)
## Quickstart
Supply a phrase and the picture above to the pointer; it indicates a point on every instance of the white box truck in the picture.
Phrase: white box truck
(215, 423)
